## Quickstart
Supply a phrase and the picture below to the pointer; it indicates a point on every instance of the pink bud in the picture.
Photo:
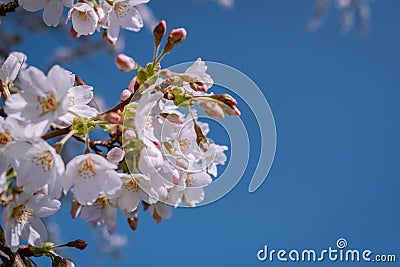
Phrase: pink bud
(177, 36)
(129, 134)
(160, 28)
(132, 85)
(125, 94)
(113, 117)
(125, 63)
(115, 155)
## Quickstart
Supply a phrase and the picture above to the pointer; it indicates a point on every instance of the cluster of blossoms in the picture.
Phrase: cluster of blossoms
(157, 154)
(90, 16)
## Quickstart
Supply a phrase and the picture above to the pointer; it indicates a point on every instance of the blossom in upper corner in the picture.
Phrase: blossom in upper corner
(10, 69)
(125, 15)
(44, 98)
(91, 174)
(21, 219)
(84, 18)
(52, 9)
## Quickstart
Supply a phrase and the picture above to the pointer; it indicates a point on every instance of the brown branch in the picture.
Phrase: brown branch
(8, 8)
(57, 132)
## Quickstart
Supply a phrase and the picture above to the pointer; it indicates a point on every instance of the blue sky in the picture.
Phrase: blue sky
(335, 101)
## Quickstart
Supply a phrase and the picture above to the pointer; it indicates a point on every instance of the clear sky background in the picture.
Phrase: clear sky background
(335, 98)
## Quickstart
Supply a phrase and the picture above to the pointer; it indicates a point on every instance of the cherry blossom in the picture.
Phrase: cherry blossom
(52, 9)
(21, 219)
(124, 14)
(84, 18)
(91, 174)
(10, 69)
(101, 213)
(135, 187)
(37, 165)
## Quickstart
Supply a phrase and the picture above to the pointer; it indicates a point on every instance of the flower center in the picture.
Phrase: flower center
(87, 169)
(189, 181)
(101, 201)
(82, 15)
(184, 143)
(132, 185)
(121, 9)
(22, 215)
(47, 103)
(44, 159)
(5, 137)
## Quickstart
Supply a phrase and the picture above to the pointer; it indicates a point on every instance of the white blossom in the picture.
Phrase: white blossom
(84, 18)
(43, 97)
(90, 175)
(124, 14)
(10, 69)
(37, 164)
(52, 9)
(78, 100)
(189, 189)
(101, 213)
(21, 219)
(135, 187)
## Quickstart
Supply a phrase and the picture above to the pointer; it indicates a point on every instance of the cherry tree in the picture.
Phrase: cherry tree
(155, 153)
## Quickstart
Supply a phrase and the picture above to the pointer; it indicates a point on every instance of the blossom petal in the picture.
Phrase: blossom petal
(52, 13)
(34, 5)
(132, 20)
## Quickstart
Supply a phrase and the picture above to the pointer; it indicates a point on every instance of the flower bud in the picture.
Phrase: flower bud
(125, 94)
(115, 155)
(125, 63)
(113, 117)
(133, 222)
(129, 134)
(133, 85)
(177, 36)
(79, 244)
(159, 31)
(111, 41)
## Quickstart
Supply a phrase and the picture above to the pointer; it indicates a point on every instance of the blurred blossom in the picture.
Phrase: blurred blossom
(351, 12)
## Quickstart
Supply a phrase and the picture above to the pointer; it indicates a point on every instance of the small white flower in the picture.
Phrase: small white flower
(37, 164)
(52, 9)
(10, 131)
(84, 18)
(91, 174)
(44, 98)
(21, 219)
(189, 189)
(78, 99)
(124, 14)
(101, 213)
(115, 155)
(134, 188)
(198, 72)
(10, 69)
